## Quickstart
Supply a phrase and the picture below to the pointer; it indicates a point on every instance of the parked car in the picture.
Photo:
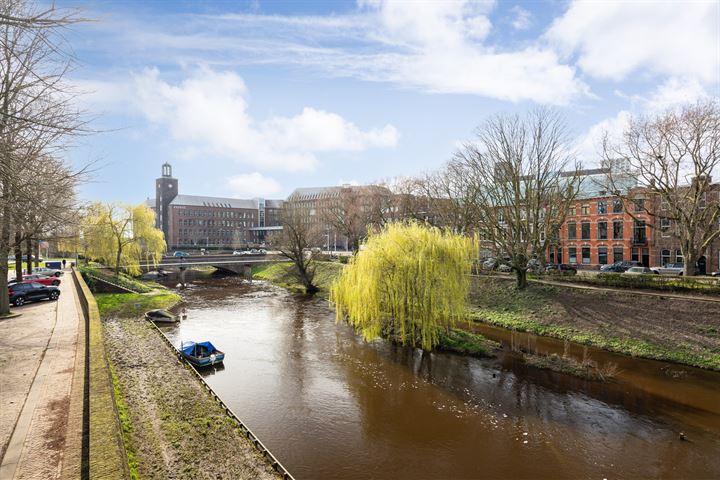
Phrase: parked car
(619, 267)
(670, 269)
(21, 293)
(504, 267)
(490, 264)
(180, 254)
(238, 252)
(50, 272)
(560, 269)
(42, 279)
(640, 271)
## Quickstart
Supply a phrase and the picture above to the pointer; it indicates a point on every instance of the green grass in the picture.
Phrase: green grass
(123, 304)
(140, 286)
(280, 274)
(467, 343)
(125, 425)
(11, 264)
(530, 311)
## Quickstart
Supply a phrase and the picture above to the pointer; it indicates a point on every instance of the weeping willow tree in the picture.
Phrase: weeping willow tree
(122, 236)
(409, 284)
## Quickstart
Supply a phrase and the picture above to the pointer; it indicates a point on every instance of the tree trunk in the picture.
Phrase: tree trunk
(690, 258)
(117, 261)
(28, 247)
(37, 253)
(18, 256)
(4, 251)
(521, 276)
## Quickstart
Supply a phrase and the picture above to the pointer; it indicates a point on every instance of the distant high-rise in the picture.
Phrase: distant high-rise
(166, 189)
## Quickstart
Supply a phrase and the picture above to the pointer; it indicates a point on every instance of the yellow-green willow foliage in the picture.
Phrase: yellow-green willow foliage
(123, 236)
(409, 283)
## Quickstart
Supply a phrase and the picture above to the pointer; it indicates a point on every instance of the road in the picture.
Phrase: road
(41, 378)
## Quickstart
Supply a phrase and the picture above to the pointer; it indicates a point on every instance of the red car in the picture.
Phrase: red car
(42, 279)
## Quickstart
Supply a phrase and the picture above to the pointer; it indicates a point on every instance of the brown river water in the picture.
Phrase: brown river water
(331, 406)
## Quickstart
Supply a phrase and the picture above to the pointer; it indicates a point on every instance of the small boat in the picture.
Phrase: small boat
(201, 354)
(160, 316)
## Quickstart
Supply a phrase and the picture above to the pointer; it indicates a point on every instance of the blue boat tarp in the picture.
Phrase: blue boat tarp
(194, 349)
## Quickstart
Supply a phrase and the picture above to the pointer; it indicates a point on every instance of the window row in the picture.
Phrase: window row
(215, 214)
(602, 233)
(601, 207)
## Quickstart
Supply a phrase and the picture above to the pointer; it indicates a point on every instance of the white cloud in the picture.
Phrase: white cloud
(250, 185)
(674, 92)
(438, 47)
(433, 46)
(523, 18)
(207, 113)
(588, 146)
(616, 39)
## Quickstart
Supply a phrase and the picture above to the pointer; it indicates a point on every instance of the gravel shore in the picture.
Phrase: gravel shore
(173, 428)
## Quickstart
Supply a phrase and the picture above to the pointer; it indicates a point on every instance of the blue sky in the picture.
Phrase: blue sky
(256, 98)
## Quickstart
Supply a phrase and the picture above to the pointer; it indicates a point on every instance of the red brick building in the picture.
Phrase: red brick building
(192, 221)
(599, 231)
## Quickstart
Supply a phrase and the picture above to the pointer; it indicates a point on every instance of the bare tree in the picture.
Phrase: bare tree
(673, 157)
(448, 196)
(300, 232)
(520, 184)
(36, 113)
(354, 210)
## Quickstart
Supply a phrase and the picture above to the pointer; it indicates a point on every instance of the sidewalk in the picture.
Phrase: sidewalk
(40, 352)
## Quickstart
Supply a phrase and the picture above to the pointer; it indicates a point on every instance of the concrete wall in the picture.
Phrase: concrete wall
(104, 453)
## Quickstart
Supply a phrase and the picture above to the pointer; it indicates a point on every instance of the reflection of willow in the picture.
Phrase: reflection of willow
(397, 392)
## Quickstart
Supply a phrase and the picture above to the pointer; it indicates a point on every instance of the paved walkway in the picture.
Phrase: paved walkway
(41, 419)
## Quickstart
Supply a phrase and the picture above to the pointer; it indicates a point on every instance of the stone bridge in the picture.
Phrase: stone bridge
(237, 264)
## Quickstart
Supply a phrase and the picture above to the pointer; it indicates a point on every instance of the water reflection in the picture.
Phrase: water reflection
(332, 406)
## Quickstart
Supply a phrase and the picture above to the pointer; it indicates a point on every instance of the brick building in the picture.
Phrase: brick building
(599, 230)
(210, 222)
(363, 204)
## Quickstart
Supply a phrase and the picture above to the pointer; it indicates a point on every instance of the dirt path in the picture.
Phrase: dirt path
(38, 389)
(176, 430)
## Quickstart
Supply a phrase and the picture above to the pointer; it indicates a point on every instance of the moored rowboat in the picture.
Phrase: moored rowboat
(160, 316)
(202, 354)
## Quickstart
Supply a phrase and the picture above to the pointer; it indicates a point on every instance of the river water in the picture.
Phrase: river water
(330, 406)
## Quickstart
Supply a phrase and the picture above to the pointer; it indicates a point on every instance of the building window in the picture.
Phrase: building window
(617, 206)
(602, 207)
(679, 258)
(665, 227)
(571, 211)
(639, 232)
(639, 204)
(572, 255)
(618, 254)
(635, 257)
(664, 257)
(617, 229)
(585, 209)
(602, 255)
(602, 231)
(585, 230)
(586, 255)
(572, 230)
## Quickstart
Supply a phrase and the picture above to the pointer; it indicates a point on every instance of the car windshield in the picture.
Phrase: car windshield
(36, 285)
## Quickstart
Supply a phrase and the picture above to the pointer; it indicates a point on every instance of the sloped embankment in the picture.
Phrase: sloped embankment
(172, 428)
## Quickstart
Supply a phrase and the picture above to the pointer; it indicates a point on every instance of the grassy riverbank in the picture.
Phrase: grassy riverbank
(682, 331)
(280, 274)
(129, 305)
